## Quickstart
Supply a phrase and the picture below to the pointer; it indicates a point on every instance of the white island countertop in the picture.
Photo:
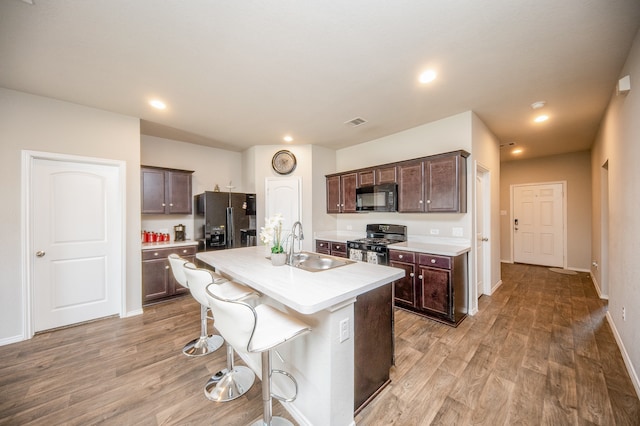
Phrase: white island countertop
(304, 291)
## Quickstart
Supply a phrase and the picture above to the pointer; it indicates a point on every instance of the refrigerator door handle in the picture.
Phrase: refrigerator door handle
(230, 231)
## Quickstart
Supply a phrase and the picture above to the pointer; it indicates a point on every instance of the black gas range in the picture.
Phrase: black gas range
(373, 248)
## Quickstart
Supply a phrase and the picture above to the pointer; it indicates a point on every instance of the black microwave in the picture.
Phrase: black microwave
(377, 198)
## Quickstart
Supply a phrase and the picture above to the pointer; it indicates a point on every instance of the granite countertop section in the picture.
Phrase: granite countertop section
(168, 244)
(444, 249)
(304, 291)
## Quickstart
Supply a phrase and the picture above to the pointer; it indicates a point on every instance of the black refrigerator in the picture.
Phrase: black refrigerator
(224, 220)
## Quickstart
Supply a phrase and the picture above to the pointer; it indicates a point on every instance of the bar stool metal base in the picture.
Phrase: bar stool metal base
(203, 345)
(275, 421)
(231, 385)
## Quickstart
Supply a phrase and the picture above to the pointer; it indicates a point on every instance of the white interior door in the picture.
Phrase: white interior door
(538, 224)
(283, 196)
(76, 231)
(480, 236)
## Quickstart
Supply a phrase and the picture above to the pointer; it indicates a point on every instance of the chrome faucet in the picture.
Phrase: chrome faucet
(300, 237)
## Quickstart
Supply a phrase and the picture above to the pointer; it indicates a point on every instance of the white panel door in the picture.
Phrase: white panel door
(538, 224)
(283, 196)
(76, 239)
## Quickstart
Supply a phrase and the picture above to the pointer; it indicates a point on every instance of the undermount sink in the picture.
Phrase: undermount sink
(315, 262)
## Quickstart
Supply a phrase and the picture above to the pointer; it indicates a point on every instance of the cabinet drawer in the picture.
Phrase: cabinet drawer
(160, 253)
(402, 256)
(436, 261)
(323, 246)
(338, 248)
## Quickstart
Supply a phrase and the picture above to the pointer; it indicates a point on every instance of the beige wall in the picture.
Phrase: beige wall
(35, 123)
(486, 155)
(618, 142)
(575, 169)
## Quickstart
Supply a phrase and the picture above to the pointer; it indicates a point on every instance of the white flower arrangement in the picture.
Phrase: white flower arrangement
(271, 233)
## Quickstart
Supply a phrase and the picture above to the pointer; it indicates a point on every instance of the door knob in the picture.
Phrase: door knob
(40, 253)
(485, 239)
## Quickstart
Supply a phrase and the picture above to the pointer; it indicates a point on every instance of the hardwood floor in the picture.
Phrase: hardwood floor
(539, 352)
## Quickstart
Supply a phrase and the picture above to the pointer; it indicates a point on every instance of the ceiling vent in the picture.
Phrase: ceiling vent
(506, 144)
(355, 122)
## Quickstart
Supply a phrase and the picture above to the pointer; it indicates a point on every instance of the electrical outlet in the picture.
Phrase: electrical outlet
(435, 231)
(344, 330)
(624, 314)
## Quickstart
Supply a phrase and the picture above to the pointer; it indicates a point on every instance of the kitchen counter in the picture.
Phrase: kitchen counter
(168, 244)
(306, 292)
(322, 361)
(443, 249)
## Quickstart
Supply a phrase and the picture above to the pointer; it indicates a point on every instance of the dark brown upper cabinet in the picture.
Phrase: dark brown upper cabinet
(436, 184)
(341, 193)
(165, 191)
(433, 184)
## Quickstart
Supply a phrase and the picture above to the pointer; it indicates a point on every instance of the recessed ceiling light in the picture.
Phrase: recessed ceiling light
(517, 151)
(537, 105)
(541, 118)
(427, 76)
(158, 104)
(288, 138)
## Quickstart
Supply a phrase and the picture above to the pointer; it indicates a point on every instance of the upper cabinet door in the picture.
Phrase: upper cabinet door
(153, 191)
(411, 187)
(333, 194)
(179, 192)
(445, 179)
(348, 183)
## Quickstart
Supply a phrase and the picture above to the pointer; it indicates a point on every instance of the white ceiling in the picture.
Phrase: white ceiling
(242, 73)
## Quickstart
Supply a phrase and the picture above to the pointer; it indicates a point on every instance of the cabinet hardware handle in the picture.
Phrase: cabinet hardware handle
(428, 201)
(420, 201)
(412, 275)
(337, 205)
(170, 204)
(420, 276)
(155, 254)
(400, 256)
(433, 261)
(337, 247)
(184, 251)
(166, 267)
(164, 205)
(40, 253)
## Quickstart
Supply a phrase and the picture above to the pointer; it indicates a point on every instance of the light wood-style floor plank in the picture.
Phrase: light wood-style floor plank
(539, 352)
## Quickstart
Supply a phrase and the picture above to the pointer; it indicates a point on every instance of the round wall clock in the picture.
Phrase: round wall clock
(283, 162)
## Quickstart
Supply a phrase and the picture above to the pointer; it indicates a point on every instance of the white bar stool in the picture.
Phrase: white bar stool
(258, 329)
(206, 343)
(234, 381)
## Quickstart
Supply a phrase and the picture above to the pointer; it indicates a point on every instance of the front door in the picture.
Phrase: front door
(76, 241)
(538, 224)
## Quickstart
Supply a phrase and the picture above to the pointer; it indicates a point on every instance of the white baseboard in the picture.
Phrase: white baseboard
(579, 269)
(134, 313)
(625, 355)
(13, 339)
(596, 285)
(495, 287)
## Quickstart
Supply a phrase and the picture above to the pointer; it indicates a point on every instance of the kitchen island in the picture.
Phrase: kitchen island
(323, 360)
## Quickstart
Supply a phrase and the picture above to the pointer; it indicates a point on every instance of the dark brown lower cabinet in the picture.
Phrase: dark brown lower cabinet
(434, 286)
(331, 247)
(373, 344)
(157, 278)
